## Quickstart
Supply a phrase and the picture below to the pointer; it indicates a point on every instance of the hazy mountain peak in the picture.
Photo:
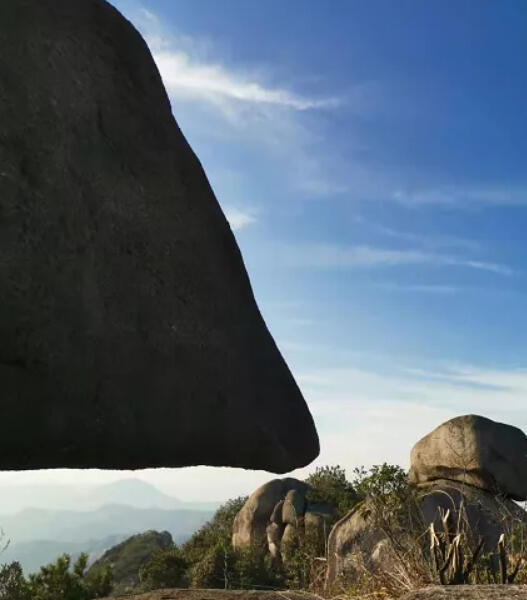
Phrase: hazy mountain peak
(130, 491)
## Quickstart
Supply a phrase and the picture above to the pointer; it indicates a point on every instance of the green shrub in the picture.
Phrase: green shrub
(209, 553)
(329, 484)
(214, 568)
(381, 481)
(13, 585)
(253, 568)
(58, 581)
(166, 569)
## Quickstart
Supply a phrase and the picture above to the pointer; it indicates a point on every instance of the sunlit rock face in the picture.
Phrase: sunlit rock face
(129, 333)
(277, 515)
(466, 474)
(474, 450)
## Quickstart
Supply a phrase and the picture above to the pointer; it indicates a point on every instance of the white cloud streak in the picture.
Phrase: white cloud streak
(206, 81)
(420, 289)
(425, 240)
(246, 100)
(216, 99)
(328, 256)
(237, 218)
(464, 196)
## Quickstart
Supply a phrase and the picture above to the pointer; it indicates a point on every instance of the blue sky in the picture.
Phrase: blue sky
(371, 159)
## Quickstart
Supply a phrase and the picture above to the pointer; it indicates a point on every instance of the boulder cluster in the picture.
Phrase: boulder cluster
(470, 468)
(276, 514)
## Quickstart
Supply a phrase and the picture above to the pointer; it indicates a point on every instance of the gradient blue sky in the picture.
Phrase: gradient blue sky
(371, 159)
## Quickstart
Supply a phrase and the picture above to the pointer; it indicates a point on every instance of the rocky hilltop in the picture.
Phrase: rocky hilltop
(468, 471)
(127, 558)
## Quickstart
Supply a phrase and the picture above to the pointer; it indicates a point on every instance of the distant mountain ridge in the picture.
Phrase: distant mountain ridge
(131, 492)
(115, 519)
(123, 508)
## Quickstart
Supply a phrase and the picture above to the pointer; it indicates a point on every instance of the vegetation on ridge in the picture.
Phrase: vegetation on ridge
(413, 552)
(58, 581)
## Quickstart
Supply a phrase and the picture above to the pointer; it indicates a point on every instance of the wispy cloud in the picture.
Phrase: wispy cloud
(464, 196)
(183, 75)
(189, 73)
(385, 413)
(511, 381)
(251, 100)
(149, 17)
(420, 289)
(425, 240)
(215, 98)
(237, 218)
(334, 256)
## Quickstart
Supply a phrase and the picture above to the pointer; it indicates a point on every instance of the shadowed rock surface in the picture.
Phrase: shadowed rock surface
(130, 335)
(474, 450)
(470, 592)
(487, 515)
(355, 541)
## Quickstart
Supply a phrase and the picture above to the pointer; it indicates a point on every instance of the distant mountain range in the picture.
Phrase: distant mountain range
(104, 516)
(132, 492)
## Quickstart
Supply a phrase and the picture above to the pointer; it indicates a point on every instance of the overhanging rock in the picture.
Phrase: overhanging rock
(129, 333)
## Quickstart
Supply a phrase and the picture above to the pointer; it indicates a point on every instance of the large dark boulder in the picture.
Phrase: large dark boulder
(129, 333)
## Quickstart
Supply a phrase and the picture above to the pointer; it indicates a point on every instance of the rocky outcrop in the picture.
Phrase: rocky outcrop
(355, 542)
(130, 334)
(476, 451)
(250, 524)
(486, 515)
(276, 514)
(471, 467)
(127, 558)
